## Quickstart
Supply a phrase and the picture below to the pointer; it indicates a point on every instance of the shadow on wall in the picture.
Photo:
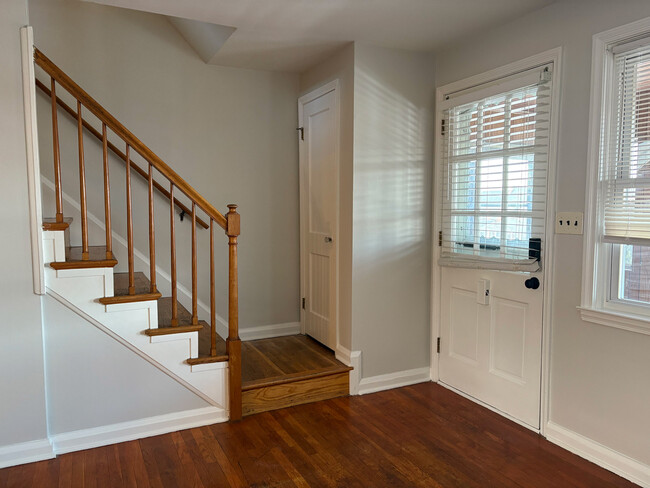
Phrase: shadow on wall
(390, 174)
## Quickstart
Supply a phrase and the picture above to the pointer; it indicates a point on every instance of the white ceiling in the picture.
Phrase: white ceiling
(293, 35)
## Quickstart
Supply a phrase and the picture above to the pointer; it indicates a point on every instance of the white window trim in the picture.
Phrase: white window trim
(593, 306)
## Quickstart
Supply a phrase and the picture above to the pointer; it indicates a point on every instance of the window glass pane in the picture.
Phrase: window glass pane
(522, 123)
(490, 184)
(520, 183)
(463, 185)
(518, 232)
(634, 277)
(494, 121)
(463, 234)
(489, 235)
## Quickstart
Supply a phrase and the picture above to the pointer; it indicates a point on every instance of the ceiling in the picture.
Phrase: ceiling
(293, 35)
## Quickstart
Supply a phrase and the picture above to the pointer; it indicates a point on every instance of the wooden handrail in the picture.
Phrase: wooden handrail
(127, 136)
(73, 113)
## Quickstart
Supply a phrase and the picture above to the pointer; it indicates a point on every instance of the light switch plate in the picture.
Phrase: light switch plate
(568, 223)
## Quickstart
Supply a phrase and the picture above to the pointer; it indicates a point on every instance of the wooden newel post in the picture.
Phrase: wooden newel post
(233, 342)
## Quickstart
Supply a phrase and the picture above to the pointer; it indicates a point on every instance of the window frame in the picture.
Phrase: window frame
(601, 274)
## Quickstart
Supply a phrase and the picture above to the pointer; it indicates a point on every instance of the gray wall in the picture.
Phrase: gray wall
(228, 132)
(599, 375)
(93, 380)
(22, 407)
(393, 124)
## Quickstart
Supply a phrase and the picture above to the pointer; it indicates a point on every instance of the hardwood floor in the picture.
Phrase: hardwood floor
(416, 436)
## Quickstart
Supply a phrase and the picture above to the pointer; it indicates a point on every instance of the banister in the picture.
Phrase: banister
(115, 150)
(136, 144)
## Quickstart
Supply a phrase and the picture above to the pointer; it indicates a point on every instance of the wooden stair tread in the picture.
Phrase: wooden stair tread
(96, 259)
(184, 318)
(207, 359)
(121, 289)
(50, 223)
(173, 330)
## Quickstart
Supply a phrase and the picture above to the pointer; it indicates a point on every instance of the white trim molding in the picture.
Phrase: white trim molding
(616, 319)
(614, 461)
(353, 359)
(25, 452)
(33, 164)
(137, 429)
(266, 331)
(388, 381)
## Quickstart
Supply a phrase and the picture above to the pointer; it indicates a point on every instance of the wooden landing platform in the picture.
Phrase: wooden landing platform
(292, 370)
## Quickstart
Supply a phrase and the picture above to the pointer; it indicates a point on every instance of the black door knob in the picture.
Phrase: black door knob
(532, 283)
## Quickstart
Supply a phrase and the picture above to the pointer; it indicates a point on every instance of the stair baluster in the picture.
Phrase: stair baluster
(172, 228)
(213, 308)
(57, 156)
(107, 195)
(152, 237)
(195, 315)
(129, 221)
(85, 254)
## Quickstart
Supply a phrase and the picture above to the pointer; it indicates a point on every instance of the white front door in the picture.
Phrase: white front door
(494, 160)
(490, 346)
(318, 148)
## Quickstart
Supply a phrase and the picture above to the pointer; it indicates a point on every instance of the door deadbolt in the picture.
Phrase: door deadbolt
(532, 283)
(328, 239)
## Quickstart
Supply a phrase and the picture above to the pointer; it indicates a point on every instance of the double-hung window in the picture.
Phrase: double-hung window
(495, 160)
(620, 236)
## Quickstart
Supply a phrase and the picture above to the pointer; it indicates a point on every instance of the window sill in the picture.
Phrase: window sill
(632, 323)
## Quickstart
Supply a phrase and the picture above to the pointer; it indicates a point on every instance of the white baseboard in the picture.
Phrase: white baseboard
(351, 358)
(591, 450)
(394, 380)
(25, 452)
(266, 331)
(137, 429)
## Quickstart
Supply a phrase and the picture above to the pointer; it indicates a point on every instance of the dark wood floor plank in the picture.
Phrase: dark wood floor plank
(418, 436)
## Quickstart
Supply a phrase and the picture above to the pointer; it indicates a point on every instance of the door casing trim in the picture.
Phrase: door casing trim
(551, 56)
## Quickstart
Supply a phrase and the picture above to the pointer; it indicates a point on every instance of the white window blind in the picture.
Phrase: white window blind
(625, 162)
(495, 160)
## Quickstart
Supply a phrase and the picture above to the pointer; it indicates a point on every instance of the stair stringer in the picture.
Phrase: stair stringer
(80, 290)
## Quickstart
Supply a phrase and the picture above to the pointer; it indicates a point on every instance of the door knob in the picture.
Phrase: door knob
(328, 239)
(532, 283)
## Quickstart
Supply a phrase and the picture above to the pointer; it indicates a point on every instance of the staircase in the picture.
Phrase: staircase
(129, 306)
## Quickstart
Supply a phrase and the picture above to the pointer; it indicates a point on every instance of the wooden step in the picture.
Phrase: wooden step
(286, 371)
(97, 259)
(121, 290)
(173, 330)
(203, 328)
(207, 359)
(52, 224)
(295, 393)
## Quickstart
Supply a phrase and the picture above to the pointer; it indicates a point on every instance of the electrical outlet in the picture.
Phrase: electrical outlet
(568, 223)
